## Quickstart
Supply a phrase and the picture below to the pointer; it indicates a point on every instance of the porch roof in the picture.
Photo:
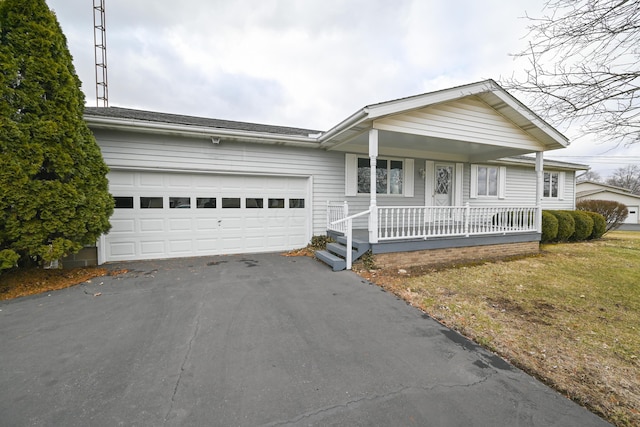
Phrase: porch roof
(476, 122)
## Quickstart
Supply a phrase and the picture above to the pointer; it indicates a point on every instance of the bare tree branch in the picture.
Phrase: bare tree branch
(584, 67)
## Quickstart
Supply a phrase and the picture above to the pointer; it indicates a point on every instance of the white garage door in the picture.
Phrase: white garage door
(169, 215)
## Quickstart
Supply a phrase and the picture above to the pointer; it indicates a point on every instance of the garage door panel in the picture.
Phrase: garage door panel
(165, 232)
(180, 246)
(152, 247)
(151, 180)
(206, 224)
(121, 180)
(123, 250)
(180, 224)
(207, 245)
(151, 225)
(178, 181)
(122, 225)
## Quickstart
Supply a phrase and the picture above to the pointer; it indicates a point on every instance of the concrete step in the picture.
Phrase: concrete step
(333, 261)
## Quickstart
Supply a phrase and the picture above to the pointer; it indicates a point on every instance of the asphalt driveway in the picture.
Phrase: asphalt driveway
(253, 340)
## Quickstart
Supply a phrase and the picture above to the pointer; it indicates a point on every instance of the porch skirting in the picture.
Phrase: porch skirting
(447, 253)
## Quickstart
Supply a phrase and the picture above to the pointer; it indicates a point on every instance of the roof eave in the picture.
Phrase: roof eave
(547, 162)
(99, 122)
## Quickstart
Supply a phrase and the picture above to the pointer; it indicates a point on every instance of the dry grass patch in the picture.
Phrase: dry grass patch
(23, 282)
(570, 316)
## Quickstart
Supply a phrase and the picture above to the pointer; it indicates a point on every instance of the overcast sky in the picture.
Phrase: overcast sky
(302, 63)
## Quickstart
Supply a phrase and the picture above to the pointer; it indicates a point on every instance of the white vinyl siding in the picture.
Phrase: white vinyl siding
(468, 119)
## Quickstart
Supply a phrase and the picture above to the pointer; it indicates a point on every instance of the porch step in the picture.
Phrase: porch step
(333, 261)
(336, 252)
(361, 246)
(340, 250)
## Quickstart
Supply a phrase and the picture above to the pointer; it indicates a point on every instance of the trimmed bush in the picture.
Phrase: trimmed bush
(614, 213)
(549, 227)
(599, 225)
(583, 225)
(566, 225)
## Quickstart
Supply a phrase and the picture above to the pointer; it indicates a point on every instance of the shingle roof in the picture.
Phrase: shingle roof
(152, 116)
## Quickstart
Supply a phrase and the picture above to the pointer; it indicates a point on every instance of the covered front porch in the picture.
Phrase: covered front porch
(423, 228)
(459, 197)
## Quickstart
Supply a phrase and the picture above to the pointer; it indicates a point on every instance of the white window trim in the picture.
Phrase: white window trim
(561, 183)
(502, 182)
(351, 176)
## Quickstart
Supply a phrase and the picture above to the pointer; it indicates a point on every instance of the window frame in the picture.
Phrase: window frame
(560, 185)
(501, 181)
(351, 176)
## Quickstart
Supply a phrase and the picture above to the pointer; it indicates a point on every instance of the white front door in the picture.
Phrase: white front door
(443, 184)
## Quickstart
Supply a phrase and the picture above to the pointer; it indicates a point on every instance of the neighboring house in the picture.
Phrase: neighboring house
(589, 190)
(448, 167)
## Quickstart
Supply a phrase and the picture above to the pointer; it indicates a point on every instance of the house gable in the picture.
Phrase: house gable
(468, 119)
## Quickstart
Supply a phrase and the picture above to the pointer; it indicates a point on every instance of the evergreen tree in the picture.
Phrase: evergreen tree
(53, 188)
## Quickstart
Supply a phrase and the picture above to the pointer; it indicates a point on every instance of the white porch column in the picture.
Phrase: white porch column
(539, 188)
(373, 217)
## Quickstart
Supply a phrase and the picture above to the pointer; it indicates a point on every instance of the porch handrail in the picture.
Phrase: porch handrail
(336, 211)
(348, 231)
(412, 222)
(368, 211)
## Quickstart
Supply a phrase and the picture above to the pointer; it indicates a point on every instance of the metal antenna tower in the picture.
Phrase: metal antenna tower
(100, 42)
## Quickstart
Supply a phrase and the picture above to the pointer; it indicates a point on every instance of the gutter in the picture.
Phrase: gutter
(547, 162)
(200, 131)
(343, 126)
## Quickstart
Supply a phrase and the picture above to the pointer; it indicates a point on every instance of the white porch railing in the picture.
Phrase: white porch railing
(347, 224)
(412, 222)
(335, 213)
(415, 222)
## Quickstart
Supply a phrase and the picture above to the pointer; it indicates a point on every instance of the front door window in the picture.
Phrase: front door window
(443, 185)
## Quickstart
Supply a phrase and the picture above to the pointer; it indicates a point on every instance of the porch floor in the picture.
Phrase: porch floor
(444, 242)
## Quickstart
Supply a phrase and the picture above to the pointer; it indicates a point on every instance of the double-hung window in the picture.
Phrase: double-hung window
(394, 177)
(389, 176)
(488, 181)
(553, 185)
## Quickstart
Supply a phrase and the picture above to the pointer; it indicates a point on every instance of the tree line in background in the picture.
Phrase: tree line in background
(627, 177)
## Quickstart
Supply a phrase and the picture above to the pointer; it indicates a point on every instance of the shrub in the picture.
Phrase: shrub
(319, 242)
(599, 225)
(583, 225)
(614, 213)
(566, 225)
(549, 227)
(54, 195)
(8, 259)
